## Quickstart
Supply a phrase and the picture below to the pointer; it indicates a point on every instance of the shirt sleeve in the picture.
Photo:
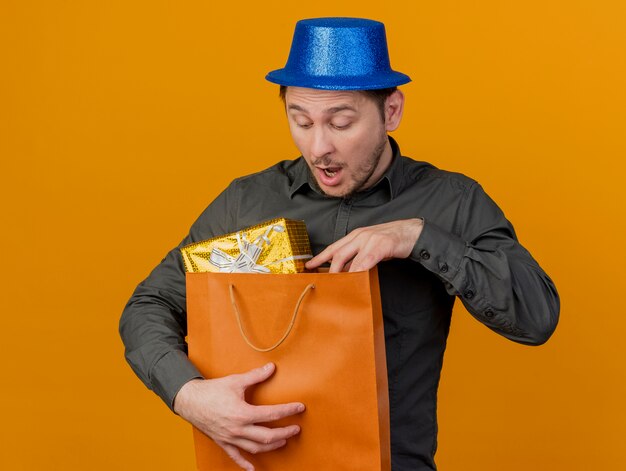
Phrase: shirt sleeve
(153, 325)
(496, 278)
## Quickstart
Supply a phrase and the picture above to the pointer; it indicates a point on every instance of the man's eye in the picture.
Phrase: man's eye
(304, 125)
(340, 127)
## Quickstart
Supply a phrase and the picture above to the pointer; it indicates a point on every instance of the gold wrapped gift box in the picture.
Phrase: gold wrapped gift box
(276, 246)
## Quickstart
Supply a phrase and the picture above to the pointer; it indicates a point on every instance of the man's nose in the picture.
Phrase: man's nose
(322, 143)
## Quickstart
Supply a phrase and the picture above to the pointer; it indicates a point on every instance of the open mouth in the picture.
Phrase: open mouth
(329, 176)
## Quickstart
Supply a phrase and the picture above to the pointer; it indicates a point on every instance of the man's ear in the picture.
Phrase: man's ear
(394, 106)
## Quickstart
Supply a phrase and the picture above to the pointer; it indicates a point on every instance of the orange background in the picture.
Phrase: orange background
(120, 121)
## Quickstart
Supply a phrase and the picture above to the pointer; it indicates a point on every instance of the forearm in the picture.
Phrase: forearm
(153, 332)
(497, 280)
(153, 325)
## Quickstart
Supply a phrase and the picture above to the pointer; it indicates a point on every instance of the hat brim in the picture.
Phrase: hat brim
(362, 82)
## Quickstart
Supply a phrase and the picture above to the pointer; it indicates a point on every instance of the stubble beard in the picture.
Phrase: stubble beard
(362, 174)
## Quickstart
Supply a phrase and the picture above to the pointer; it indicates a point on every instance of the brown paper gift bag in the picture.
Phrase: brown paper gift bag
(331, 358)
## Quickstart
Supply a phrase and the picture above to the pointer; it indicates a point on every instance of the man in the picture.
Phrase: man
(434, 235)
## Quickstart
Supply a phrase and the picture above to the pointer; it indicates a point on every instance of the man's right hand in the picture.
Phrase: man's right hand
(218, 408)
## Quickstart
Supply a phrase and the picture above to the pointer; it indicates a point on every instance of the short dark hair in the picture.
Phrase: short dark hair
(379, 96)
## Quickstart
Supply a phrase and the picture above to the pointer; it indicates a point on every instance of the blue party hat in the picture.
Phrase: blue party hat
(338, 54)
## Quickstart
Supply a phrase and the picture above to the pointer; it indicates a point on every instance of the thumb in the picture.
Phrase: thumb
(257, 375)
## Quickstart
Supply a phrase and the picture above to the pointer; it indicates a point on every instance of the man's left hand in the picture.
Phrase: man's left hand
(363, 248)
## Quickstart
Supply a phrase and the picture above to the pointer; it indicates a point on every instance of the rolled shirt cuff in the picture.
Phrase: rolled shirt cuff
(439, 251)
(170, 373)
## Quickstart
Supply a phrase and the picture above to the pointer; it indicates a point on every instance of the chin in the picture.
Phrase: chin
(331, 191)
(341, 194)
(335, 192)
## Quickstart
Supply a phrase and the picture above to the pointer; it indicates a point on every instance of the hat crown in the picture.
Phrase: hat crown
(339, 47)
(338, 53)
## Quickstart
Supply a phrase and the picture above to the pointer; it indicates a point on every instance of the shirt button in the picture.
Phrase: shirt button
(424, 255)
(489, 313)
(469, 294)
(444, 268)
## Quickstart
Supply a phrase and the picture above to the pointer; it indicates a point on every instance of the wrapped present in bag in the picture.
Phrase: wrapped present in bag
(324, 332)
(277, 246)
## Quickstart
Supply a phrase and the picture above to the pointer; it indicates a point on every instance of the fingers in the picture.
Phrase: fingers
(359, 246)
(266, 435)
(355, 249)
(319, 259)
(255, 376)
(235, 455)
(367, 246)
(255, 439)
(262, 414)
(219, 410)
(329, 252)
(367, 256)
(255, 447)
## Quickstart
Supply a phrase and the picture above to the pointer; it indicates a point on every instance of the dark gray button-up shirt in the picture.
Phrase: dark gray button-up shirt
(467, 249)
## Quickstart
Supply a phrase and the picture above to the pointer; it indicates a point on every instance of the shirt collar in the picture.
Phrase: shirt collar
(300, 177)
(392, 178)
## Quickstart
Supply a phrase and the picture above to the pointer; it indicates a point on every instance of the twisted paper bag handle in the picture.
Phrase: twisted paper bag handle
(287, 332)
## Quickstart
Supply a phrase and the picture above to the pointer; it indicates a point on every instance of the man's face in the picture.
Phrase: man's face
(342, 137)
